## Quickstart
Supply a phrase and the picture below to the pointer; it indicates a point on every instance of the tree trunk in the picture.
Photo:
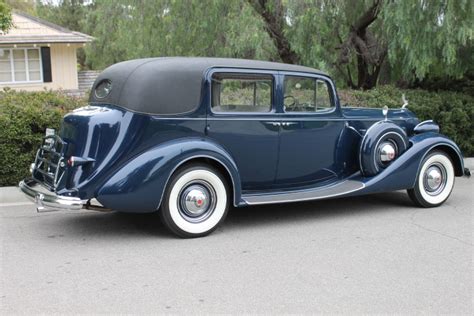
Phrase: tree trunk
(370, 54)
(274, 24)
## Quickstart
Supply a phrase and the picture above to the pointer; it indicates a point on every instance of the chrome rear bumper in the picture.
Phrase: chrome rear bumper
(48, 201)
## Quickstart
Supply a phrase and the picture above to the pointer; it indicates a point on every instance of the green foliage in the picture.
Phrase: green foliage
(453, 111)
(421, 38)
(318, 28)
(24, 117)
(359, 43)
(433, 38)
(6, 22)
(70, 14)
(26, 6)
(128, 29)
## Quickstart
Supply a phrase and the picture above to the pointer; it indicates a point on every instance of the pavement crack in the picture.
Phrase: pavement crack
(438, 232)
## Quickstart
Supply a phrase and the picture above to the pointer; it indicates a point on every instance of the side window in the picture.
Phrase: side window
(303, 94)
(232, 92)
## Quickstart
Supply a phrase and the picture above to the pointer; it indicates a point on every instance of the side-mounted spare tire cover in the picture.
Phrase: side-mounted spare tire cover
(381, 145)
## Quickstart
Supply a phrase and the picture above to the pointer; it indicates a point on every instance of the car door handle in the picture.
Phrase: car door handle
(288, 123)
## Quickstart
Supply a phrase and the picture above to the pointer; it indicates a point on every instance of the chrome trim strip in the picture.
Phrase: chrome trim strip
(353, 129)
(48, 202)
(425, 122)
(275, 117)
(334, 190)
(420, 125)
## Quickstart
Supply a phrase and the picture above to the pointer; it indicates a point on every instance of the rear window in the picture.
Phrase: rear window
(234, 92)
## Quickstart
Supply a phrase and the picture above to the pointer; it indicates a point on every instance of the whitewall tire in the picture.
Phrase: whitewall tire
(434, 182)
(195, 202)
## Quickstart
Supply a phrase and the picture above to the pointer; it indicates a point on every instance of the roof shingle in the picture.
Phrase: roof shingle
(30, 29)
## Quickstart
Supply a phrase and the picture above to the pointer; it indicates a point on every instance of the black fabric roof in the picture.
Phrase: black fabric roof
(170, 85)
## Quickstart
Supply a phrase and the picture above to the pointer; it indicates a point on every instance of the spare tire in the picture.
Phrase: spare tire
(381, 145)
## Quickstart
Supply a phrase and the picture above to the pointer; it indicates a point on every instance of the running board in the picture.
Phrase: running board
(333, 190)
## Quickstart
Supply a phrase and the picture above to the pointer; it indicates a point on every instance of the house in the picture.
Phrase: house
(36, 54)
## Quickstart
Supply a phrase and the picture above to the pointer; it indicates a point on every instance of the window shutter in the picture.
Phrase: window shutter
(46, 62)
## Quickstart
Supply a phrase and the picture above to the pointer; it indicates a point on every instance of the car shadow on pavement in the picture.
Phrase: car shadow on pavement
(149, 225)
(314, 210)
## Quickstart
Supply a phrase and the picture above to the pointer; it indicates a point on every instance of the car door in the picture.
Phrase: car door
(311, 128)
(241, 119)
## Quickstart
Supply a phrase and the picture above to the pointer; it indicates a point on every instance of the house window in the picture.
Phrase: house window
(19, 65)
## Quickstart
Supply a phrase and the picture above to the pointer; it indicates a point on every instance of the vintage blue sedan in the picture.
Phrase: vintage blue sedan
(189, 137)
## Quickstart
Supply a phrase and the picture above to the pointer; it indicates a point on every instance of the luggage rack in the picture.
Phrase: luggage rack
(49, 164)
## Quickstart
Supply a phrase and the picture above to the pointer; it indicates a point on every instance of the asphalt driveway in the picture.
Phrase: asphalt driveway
(366, 254)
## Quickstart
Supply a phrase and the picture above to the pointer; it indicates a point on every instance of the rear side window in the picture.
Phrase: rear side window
(234, 92)
(303, 94)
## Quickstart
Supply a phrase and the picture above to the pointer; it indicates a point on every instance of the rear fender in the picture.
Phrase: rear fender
(140, 184)
(402, 173)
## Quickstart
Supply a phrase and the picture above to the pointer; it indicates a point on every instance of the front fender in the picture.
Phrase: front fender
(140, 184)
(402, 173)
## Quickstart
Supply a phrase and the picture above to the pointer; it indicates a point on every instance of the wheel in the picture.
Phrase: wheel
(434, 182)
(196, 200)
(382, 144)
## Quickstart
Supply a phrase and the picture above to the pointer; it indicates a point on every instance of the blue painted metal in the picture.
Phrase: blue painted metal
(250, 138)
(402, 173)
(399, 175)
(426, 126)
(139, 184)
(135, 154)
(369, 143)
(308, 152)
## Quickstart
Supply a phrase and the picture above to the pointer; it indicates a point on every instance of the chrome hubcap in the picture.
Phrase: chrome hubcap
(387, 152)
(434, 179)
(197, 201)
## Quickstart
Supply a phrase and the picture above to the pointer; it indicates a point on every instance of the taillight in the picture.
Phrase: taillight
(74, 161)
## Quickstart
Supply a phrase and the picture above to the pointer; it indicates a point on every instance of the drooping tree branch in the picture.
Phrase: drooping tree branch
(274, 20)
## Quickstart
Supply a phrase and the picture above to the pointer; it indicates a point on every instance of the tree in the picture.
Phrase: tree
(67, 13)
(356, 41)
(359, 42)
(363, 43)
(70, 14)
(274, 16)
(430, 38)
(26, 6)
(5, 17)
(127, 29)
(355, 37)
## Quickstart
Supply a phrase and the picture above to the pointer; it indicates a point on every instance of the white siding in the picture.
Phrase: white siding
(63, 68)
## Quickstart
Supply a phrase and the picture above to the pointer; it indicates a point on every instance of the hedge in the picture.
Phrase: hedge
(24, 116)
